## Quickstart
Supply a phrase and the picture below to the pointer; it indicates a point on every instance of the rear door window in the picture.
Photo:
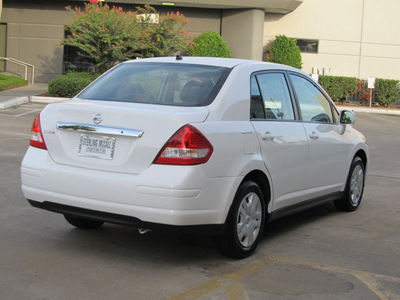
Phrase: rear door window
(270, 97)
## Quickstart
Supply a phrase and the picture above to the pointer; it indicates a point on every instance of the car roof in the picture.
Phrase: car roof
(212, 61)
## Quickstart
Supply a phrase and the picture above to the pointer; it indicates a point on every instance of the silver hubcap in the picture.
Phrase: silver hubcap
(249, 219)
(356, 185)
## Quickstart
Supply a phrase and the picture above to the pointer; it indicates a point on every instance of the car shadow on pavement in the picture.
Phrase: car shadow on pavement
(127, 244)
(292, 222)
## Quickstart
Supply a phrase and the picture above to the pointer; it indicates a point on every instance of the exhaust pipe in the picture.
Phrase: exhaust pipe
(143, 231)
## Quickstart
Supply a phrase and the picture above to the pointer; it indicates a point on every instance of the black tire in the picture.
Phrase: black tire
(354, 187)
(83, 223)
(248, 214)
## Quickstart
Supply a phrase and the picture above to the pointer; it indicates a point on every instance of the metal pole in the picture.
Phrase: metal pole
(370, 97)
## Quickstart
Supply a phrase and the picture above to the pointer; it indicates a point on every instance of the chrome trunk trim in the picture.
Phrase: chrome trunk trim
(100, 129)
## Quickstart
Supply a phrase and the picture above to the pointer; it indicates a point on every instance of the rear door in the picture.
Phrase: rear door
(281, 136)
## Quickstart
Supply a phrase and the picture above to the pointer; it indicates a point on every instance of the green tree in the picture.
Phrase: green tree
(210, 44)
(105, 35)
(284, 51)
(162, 38)
(108, 35)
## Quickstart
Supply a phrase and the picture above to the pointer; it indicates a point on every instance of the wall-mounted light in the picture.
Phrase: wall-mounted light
(168, 3)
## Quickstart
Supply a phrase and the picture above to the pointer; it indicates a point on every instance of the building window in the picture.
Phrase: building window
(73, 61)
(307, 46)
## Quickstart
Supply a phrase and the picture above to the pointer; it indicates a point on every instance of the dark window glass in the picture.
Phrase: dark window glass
(257, 109)
(159, 83)
(307, 46)
(73, 61)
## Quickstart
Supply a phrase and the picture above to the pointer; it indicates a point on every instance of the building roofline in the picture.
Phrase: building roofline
(271, 6)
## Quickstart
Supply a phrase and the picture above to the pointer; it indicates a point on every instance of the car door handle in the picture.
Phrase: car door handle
(314, 136)
(267, 136)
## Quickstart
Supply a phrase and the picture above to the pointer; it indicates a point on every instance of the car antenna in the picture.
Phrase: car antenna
(178, 57)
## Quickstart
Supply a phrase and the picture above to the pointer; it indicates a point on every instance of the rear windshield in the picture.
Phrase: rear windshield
(159, 83)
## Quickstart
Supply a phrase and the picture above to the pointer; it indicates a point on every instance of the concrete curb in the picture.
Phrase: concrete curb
(39, 99)
(371, 110)
(13, 102)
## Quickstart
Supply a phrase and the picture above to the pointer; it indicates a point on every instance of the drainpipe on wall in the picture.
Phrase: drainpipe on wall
(1, 8)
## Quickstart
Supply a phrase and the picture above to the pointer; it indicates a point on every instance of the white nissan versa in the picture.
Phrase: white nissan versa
(212, 145)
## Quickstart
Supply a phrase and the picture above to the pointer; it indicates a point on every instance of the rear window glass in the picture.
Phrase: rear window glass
(159, 83)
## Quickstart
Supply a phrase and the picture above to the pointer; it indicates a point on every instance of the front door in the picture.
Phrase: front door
(328, 148)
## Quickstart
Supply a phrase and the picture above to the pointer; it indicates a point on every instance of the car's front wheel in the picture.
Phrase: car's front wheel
(83, 223)
(354, 187)
(245, 222)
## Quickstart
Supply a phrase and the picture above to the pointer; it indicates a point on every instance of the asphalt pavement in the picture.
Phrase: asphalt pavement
(317, 254)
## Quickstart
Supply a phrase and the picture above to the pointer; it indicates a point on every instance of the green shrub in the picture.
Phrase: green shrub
(108, 35)
(70, 84)
(338, 87)
(284, 51)
(9, 82)
(387, 91)
(210, 44)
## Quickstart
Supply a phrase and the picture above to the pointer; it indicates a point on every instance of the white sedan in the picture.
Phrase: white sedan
(211, 145)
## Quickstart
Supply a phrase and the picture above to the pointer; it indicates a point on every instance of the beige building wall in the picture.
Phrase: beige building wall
(357, 38)
(33, 36)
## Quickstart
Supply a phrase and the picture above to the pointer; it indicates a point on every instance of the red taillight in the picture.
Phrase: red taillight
(187, 146)
(37, 136)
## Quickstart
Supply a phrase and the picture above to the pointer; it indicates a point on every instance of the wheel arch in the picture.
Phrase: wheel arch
(361, 154)
(262, 181)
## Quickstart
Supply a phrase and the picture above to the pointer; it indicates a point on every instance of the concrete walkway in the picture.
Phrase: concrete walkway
(17, 96)
(372, 110)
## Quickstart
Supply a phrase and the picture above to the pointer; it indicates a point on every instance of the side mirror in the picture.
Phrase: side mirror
(347, 117)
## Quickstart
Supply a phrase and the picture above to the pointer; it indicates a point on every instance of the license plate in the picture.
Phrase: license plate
(96, 146)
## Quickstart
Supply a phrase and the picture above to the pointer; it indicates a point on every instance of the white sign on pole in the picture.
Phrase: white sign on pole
(371, 83)
(315, 76)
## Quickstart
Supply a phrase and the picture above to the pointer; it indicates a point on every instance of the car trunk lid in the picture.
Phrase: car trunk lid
(111, 136)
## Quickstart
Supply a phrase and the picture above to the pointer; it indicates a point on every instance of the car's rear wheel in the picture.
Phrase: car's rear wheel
(354, 187)
(83, 223)
(245, 222)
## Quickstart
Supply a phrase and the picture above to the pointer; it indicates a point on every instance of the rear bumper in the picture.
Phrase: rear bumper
(167, 195)
(212, 229)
